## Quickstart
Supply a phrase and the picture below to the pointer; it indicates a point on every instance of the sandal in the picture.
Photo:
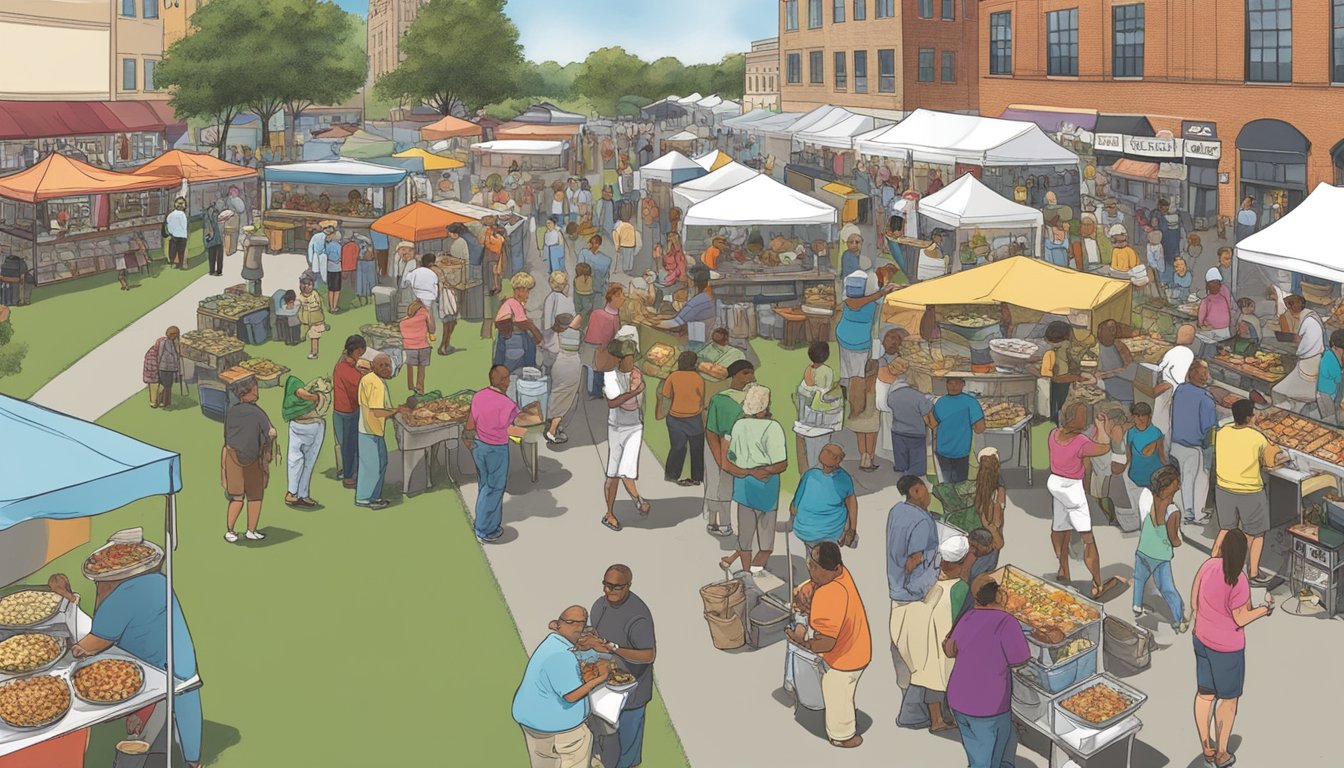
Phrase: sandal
(612, 523)
(726, 563)
(643, 505)
(1096, 591)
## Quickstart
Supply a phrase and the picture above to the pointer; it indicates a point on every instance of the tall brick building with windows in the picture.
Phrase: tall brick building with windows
(881, 57)
(1227, 97)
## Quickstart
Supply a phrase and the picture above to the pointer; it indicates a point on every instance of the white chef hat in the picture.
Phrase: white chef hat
(954, 549)
(1116, 229)
(1213, 274)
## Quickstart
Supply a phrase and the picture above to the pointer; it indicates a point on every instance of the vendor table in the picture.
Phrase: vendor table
(308, 220)
(787, 286)
(1163, 318)
(1020, 434)
(82, 715)
(420, 444)
(207, 320)
(1113, 746)
(1314, 566)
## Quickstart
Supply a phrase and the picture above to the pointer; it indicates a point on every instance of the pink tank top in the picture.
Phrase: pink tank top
(1066, 459)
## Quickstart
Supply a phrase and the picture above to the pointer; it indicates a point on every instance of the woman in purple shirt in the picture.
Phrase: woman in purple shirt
(987, 643)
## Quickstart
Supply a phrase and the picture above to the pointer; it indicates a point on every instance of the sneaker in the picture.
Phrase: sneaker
(293, 501)
(1139, 612)
(375, 504)
(549, 437)
(307, 502)
(254, 536)
(488, 539)
(312, 357)
(230, 537)
(1262, 580)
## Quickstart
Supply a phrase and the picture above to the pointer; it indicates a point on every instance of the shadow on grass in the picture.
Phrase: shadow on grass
(273, 535)
(216, 739)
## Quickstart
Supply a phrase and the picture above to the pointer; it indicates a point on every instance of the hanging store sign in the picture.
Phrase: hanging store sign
(1149, 146)
(1160, 148)
(1203, 150)
(1199, 130)
(1108, 142)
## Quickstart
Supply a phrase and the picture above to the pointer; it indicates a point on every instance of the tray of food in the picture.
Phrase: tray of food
(713, 370)
(1099, 702)
(199, 345)
(1301, 434)
(971, 325)
(918, 355)
(1011, 353)
(124, 554)
(103, 682)
(617, 678)
(1052, 615)
(33, 703)
(234, 305)
(452, 409)
(1264, 366)
(268, 373)
(28, 653)
(29, 607)
(1088, 393)
(1147, 349)
(381, 335)
(1003, 414)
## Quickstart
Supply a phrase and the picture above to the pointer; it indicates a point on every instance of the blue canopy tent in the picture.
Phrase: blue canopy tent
(58, 467)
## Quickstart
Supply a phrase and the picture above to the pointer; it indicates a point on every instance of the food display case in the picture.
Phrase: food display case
(1248, 366)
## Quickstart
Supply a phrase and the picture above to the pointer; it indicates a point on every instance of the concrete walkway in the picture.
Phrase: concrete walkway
(111, 373)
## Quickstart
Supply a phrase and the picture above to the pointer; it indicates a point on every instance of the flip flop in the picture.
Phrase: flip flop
(616, 526)
(644, 506)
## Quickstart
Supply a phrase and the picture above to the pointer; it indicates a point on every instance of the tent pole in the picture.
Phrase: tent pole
(169, 544)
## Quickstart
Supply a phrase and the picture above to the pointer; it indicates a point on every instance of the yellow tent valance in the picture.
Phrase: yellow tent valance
(432, 161)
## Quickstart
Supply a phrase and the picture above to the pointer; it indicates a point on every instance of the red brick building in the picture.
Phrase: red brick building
(1227, 97)
(880, 57)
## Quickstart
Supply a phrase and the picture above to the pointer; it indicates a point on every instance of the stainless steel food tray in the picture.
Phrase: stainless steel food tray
(46, 724)
(61, 606)
(61, 638)
(1135, 696)
(90, 662)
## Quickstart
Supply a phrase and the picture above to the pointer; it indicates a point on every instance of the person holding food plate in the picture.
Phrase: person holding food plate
(129, 613)
(622, 625)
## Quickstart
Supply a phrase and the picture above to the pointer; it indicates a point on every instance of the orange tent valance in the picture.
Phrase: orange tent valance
(193, 166)
(449, 127)
(60, 176)
(418, 222)
(537, 132)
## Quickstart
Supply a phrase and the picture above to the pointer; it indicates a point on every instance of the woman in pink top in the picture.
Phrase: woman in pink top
(1221, 597)
(417, 331)
(1069, 448)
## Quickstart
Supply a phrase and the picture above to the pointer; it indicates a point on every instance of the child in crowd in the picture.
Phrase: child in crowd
(1160, 534)
(288, 315)
(1145, 451)
(818, 378)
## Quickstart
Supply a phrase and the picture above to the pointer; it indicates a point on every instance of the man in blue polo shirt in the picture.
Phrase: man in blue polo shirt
(700, 308)
(958, 417)
(551, 704)
(824, 507)
(1193, 419)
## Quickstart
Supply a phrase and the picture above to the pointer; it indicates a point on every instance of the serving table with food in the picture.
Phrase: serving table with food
(212, 350)
(1011, 419)
(225, 312)
(433, 426)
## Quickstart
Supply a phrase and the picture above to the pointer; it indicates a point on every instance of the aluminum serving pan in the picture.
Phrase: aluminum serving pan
(50, 721)
(61, 639)
(1135, 696)
(144, 566)
(61, 606)
(90, 662)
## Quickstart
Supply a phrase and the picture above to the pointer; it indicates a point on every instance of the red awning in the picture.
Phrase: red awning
(52, 119)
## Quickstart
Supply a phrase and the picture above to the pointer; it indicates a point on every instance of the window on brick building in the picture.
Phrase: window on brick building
(794, 69)
(1337, 44)
(860, 10)
(860, 71)
(838, 11)
(884, 9)
(926, 65)
(816, 74)
(925, 9)
(813, 14)
(1061, 40)
(1269, 41)
(128, 8)
(841, 71)
(949, 10)
(1001, 43)
(790, 15)
(886, 70)
(949, 73)
(1127, 40)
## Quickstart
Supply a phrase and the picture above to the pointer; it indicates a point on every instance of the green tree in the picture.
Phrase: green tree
(608, 74)
(664, 78)
(206, 76)
(460, 56)
(549, 79)
(729, 76)
(324, 62)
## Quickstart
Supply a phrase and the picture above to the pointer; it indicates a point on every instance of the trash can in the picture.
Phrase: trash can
(385, 304)
(529, 387)
(256, 326)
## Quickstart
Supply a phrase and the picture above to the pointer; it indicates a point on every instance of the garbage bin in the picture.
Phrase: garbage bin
(256, 326)
(385, 304)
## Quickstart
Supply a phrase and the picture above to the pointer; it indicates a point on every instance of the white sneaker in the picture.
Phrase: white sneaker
(253, 535)
(230, 537)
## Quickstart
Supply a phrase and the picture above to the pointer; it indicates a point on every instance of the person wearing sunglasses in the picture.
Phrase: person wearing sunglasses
(551, 704)
(623, 627)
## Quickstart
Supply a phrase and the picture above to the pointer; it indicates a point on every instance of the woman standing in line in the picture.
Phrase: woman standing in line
(553, 245)
(863, 417)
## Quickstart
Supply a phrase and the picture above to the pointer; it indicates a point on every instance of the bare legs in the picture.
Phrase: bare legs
(609, 488)
(414, 373)
(867, 448)
(1223, 714)
(253, 513)
(445, 345)
(1059, 541)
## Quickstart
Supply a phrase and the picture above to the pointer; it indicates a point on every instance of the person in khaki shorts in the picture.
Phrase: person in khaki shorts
(840, 633)
(249, 445)
(1240, 451)
(551, 704)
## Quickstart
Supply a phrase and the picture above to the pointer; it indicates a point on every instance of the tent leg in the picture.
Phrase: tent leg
(170, 544)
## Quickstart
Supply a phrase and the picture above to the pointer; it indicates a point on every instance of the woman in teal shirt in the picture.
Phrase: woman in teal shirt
(854, 332)
(1159, 535)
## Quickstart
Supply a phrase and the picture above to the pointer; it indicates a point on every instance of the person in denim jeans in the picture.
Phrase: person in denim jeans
(1158, 535)
(345, 407)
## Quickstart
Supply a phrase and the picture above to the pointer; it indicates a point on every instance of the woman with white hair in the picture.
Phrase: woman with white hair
(854, 333)
(756, 457)
(557, 302)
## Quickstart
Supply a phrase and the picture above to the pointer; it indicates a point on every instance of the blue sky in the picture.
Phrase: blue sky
(692, 30)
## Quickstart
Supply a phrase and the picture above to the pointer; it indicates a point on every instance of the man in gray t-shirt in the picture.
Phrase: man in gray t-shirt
(623, 627)
(911, 418)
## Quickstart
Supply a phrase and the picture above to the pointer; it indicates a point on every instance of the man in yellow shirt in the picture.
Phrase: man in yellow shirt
(626, 239)
(1240, 451)
(375, 406)
(1123, 258)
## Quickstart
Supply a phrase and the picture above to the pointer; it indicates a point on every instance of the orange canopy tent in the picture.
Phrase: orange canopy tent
(418, 222)
(449, 127)
(537, 132)
(193, 166)
(60, 176)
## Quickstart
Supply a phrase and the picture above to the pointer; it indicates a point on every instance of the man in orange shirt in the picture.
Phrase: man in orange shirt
(492, 240)
(839, 627)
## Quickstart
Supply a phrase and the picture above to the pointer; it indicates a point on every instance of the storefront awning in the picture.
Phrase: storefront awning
(1135, 169)
(1272, 141)
(339, 172)
(54, 119)
(537, 131)
(1128, 125)
(59, 176)
(1051, 119)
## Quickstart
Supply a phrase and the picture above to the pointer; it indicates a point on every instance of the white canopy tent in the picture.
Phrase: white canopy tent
(837, 130)
(730, 175)
(682, 136)
(672, 168)
(806, 122)
(773, 124)
(1300, 241)
(712, 160)
(725, 110)
(968, 203)
(742, 122)
(520, 147)
(759, 201)
(691, 100)
(709, 102)
(947, 139)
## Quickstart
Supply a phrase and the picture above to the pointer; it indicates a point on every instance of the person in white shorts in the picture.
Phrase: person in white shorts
(1070, 447)
(623, 389)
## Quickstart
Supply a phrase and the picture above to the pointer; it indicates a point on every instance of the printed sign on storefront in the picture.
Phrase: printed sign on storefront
(1149, 146)
(1199, 130)
(1108, 142)
(1204, 150)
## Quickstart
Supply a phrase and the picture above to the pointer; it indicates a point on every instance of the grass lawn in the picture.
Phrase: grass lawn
(347, 637)
(67, 320)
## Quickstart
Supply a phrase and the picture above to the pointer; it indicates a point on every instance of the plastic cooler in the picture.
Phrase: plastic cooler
(1065, 674)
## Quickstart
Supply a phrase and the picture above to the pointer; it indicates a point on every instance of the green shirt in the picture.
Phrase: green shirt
(725, 408)
(756, 443)
(294, 406)
(721, 355)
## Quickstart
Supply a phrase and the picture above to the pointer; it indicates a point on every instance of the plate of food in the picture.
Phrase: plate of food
(1099, 702)
(104, 682)
(30, 653)
(619, 680)
(31, 703)
(28, 607)
(119, 559)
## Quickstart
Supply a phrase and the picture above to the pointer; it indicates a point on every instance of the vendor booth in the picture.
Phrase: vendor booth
(1001, 153)
(689, 193)
(684, 142)
(657, 179)
(207, 177)
(778, 132)
(458, 133)
(362, 145)
(712, 160)
(664, 110)
(350, 192)
(61, 471)
(437, 169)
(547, 160)
(983, 225)
(829, 142)
(426, 227)
(70, 219)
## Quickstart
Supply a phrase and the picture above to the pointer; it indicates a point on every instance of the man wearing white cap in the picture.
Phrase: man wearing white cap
(317, 250)
(1216, 318)
(1123, 257)
(944, 603)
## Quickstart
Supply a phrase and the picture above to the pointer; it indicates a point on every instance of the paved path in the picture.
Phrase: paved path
(116, 364)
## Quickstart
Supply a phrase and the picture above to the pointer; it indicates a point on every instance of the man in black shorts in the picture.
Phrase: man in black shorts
(1241, 452)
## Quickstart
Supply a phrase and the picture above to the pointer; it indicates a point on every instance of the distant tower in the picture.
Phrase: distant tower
(388, 21)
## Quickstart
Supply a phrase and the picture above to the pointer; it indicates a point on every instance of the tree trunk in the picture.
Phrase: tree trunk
(222, 140)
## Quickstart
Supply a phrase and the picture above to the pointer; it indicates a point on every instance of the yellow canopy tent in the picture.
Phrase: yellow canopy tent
(1021, 282)
(845, 198)
(432, 161)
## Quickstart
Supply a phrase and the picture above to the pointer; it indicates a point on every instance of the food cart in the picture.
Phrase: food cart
(67, 471)
(231, 313)
(433, 429)
(69, 219)
(352, 193)
(206, 352)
